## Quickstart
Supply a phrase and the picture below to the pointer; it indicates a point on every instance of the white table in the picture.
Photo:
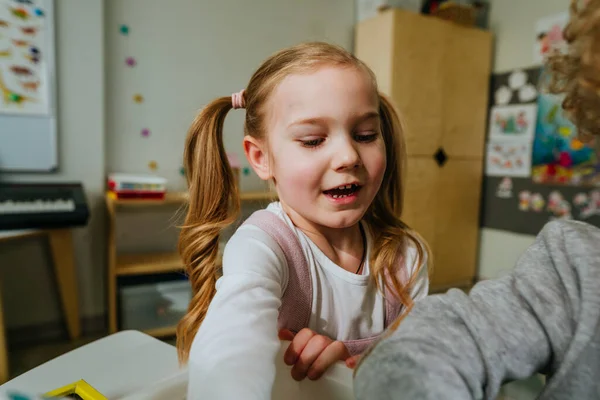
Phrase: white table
(131, 365)
(117, 365)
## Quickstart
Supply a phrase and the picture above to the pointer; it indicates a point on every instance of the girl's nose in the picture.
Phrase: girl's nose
(346, 157)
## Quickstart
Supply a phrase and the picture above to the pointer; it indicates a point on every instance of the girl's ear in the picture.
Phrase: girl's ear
(257, 157)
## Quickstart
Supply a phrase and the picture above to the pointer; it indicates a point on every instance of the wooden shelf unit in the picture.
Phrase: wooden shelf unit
(147, 263)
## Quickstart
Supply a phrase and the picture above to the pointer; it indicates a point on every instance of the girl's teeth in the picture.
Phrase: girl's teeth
(335, 196)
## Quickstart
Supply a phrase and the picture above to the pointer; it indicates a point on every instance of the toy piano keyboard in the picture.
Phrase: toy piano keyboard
(126, 186)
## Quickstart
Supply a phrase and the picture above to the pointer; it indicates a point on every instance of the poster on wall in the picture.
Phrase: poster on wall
(522, 206)
(24, 67)
(549, 36)
(508, 158)
(559, 157)
(516, 121)
(515, 87)
(512, 121)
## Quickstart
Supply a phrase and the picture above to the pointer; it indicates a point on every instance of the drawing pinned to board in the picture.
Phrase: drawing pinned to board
(558, 155)
(508, 158)
(513, 121)
(524, 198)
(588, 205)
(559, 206)
(24, 74)
(537, 202)
(518, 86)
(549, 36)
(505, 187)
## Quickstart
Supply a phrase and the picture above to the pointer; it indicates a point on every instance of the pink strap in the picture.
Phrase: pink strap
(296, 303)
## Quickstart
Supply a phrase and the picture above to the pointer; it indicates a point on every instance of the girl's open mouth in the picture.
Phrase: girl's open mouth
(343, 194)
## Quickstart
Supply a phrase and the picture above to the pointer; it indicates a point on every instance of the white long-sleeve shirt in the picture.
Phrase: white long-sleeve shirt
(232, 355)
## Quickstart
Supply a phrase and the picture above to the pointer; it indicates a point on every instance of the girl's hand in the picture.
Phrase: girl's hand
(311, 354)
(351, 362)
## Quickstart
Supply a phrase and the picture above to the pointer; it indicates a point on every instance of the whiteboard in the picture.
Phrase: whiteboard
(28, 115)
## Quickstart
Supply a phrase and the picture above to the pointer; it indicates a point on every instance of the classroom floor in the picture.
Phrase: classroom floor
(25, 358)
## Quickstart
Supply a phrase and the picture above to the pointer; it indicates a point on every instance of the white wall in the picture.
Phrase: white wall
(189, 52)
(513, 24)
(28, 284)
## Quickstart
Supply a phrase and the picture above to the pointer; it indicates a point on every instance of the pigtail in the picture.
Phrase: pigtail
(213, 205)
(391, 235)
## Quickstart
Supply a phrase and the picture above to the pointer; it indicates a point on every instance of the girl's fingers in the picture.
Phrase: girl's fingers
(286, 334)
(352, 361)
(297, 346)
(333, 353)
(313, 349)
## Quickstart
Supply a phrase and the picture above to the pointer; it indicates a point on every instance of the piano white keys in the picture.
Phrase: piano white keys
(37, 206)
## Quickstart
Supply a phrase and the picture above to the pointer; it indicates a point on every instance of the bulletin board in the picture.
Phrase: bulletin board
(28, 118)
(537, 170)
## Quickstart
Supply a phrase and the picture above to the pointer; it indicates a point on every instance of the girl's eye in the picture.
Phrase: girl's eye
(312, 143)
(367, 137)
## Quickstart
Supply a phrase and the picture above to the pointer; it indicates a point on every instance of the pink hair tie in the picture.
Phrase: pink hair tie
(237, 99)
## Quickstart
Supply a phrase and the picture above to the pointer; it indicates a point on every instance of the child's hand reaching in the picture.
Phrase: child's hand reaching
(311, 354)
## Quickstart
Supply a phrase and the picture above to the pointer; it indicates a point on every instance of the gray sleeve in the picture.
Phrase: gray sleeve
(458, 346)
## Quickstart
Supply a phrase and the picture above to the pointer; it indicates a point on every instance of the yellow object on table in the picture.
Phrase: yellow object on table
(80, 388)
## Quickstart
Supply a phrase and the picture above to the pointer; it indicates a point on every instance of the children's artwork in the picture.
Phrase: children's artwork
(558, 155)
(549, 36)
(559, 206)
(588, 205)
(515, 87)
(537, 202)
(508, 158)
(513, 121)
(505, 187)
(533, 205)
(24, 64)
(524, 198)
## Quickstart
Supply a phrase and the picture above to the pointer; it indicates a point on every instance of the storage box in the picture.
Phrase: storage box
(154, 305)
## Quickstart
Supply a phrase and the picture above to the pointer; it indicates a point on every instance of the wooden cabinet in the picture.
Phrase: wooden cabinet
(437, 74)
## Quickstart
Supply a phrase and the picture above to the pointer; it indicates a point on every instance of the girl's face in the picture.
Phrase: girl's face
(327, 154)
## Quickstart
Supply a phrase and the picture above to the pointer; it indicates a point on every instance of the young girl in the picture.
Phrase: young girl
(317, 127)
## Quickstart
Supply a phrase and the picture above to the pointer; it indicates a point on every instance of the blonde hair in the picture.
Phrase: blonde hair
(576, 73)
(214, 201)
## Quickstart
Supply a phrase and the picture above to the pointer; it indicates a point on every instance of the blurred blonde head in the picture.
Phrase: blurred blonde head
(576, 73)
